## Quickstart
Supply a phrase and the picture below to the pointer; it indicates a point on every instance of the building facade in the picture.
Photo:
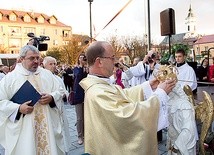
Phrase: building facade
(203, 45)
(15, 25)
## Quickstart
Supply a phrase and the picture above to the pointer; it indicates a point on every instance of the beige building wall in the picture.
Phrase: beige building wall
(199, 48)
(13, 35)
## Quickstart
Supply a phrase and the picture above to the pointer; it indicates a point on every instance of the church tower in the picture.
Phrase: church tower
(191, 24)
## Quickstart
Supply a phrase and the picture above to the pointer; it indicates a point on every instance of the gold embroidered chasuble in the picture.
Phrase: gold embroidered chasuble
(118, 121)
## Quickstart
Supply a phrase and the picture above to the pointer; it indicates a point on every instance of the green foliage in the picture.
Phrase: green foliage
(176, 47)
(165, 55)
(54, 52)
(69, 52)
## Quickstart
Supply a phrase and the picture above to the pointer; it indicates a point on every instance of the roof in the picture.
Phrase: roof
(175, 39)
(205, 39)
(33, 15)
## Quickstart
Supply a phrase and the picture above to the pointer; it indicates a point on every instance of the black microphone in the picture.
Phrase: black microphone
(125, 65)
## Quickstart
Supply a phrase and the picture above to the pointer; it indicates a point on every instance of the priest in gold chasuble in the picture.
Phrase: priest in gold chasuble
(121, 121)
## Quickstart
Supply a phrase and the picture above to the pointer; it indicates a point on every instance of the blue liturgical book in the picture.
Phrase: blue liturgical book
(26, 93)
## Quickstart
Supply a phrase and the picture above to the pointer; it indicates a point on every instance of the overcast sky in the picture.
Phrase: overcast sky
(131, 21)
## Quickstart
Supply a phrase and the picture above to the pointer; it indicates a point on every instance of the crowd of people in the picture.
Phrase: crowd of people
(120, 108)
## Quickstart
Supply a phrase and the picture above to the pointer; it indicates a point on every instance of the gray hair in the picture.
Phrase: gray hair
(26, 49)
(48, 58)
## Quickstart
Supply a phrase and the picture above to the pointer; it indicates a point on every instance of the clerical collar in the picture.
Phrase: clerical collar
(100, 76)
(180, 64)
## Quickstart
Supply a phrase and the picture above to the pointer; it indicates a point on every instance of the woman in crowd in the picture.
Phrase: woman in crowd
(202, 72)
(118, 74)
(80, 72)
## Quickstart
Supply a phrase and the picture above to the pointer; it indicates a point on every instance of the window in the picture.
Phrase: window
(14, 30)
(55, 31)
(65, 33)
(42, 31)
(53, 20)
(12, 17)
(41, 19)
(1, 29)
(15, 43)
(55, 42)
(29, 30)
(198, 49)
(65, 42)
(206, 48)
(27, 18)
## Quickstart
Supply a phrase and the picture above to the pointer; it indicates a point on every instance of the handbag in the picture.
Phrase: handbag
(71, 97)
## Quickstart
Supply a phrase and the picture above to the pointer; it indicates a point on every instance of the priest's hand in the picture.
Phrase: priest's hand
(25, 108)
(168, 85)
(45, 99)
(154, 83)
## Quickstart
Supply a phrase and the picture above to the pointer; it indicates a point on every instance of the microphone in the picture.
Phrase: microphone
(125, 65)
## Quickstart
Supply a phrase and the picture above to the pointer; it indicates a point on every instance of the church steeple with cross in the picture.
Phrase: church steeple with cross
(191, 24)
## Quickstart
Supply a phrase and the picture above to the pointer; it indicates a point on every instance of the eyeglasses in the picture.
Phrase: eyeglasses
(33, 58)
(112, 58)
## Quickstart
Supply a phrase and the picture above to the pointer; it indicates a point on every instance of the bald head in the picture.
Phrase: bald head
(96, 49)
(100, 57)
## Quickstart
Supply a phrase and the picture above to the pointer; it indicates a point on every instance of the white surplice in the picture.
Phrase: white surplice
(186, 73)
(39, 132)
(126, 76)
(66, 133)
(138, 72)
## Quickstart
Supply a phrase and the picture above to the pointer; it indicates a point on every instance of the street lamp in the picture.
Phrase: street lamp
(90, 2)
(149, 26)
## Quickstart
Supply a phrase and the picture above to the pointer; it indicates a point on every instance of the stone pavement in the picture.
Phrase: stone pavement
(76, 148)
(79, 149)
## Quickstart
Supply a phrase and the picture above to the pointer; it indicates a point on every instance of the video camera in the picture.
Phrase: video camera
(38, 41)
(150, 59)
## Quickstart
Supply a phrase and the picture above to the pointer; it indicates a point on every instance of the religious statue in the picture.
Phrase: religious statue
(182, 131)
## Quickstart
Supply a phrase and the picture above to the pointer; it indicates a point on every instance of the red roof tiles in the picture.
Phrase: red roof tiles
(205, 39)
(33, 15)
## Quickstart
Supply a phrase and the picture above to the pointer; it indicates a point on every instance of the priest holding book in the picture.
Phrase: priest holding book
(25, 128)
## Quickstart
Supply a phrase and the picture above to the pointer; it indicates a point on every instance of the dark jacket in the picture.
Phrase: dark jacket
(79, 74)
(202, 72)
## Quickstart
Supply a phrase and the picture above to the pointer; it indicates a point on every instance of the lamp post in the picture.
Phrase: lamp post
(149, 26)
(90, 2)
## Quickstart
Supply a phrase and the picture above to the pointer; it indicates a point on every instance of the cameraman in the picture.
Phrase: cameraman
(31, 42)
(38, 41)
(152, 63)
